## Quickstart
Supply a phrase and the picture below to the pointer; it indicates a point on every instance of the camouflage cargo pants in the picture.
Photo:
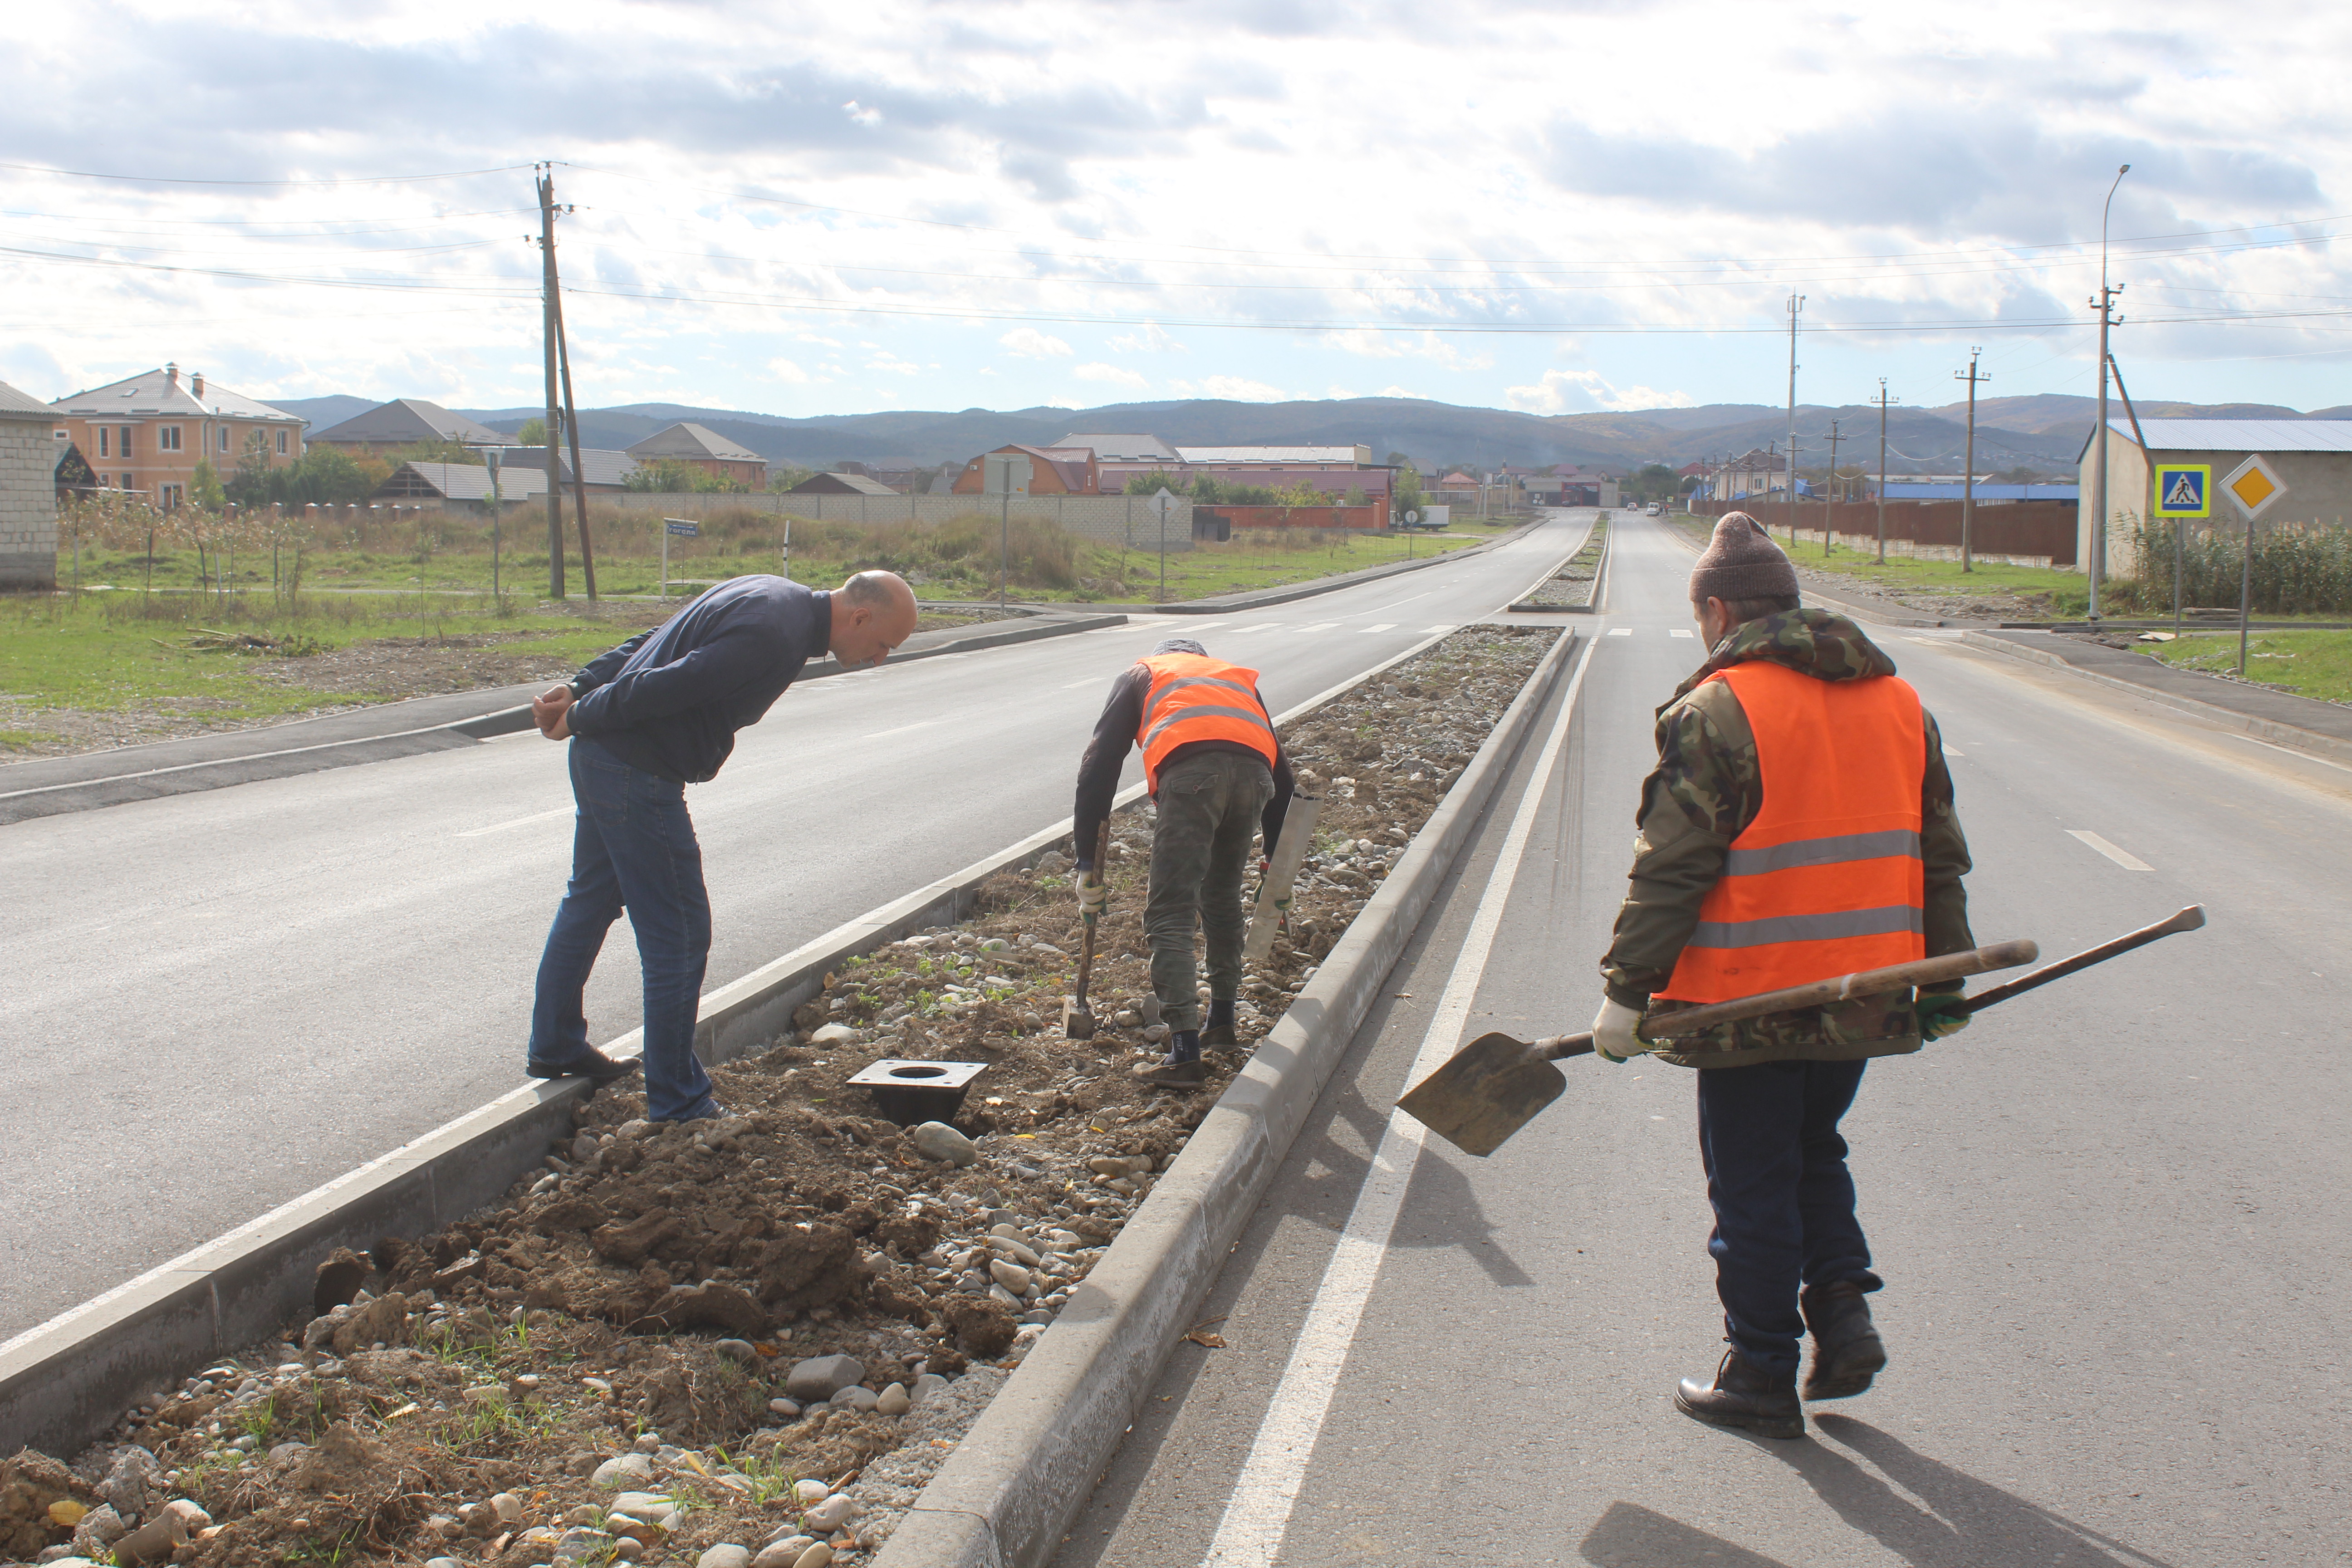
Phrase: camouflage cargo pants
(1209, 808)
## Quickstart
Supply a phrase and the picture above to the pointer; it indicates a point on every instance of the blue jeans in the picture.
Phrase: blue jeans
(632, 845)
(1783, 1200)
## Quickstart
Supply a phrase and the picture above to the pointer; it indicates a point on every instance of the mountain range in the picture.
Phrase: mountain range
(2044, 431)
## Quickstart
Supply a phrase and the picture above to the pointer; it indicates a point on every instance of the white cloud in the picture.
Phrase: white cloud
(886, 361)
(1235, 388)
(1586, 391)
(1028, 342)
(1118, 376)
(812, 338)
(785, 370)
(1154, 338)
(1425, 345)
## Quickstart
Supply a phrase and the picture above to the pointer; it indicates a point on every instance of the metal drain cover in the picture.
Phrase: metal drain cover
(908, 1092)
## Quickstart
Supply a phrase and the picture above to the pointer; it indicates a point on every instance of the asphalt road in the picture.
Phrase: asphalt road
(2109, 1213)
(214, 1002)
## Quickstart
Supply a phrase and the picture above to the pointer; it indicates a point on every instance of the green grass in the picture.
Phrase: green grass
(2309, 664)
(2068, 593)
(1208, 570)
(110, 653)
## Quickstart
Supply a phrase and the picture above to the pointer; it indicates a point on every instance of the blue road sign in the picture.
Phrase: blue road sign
(2184, 490)
(685, 530)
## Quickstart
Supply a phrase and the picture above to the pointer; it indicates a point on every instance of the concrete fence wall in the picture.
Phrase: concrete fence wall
(1113, 519)
(28, 503)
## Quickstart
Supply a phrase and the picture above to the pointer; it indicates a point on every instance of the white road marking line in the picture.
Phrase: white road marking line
(1954, 751)
(918, 724)
(1318, 627)
(1089, 681)
(2129, 861)
(1681, 631)
(1379, 626)
(1621, 631)
(1112, 631)
(1384, 609)
(1257, 1515)
(1441, 628)
(517, 822)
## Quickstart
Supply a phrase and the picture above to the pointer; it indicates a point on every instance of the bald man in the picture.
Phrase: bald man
(654, 715)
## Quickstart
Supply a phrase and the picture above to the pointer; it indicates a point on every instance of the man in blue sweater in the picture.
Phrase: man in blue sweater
(654, 715)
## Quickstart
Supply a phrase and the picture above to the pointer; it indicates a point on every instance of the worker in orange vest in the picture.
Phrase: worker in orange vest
(1218, 778)
(1799, 825)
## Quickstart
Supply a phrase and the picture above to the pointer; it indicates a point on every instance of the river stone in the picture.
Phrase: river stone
(829, 1515)
(620, 1470)
(725, 1555)
(809, 1491)
(856, 1398)
(938, 1140)
(1012, 1276)
(820, 1377)
(895, 1399)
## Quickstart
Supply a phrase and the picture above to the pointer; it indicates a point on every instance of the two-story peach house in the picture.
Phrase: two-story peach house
(148, 432)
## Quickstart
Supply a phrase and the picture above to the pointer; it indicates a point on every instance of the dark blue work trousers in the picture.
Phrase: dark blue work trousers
(633, 846)
(1783, 1200)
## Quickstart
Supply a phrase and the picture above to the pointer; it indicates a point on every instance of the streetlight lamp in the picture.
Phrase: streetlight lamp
(2098, 561)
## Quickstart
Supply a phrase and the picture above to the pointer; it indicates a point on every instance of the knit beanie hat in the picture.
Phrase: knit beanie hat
(1742, 563)
(1178, 644)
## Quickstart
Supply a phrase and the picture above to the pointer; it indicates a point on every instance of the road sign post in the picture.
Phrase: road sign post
(685, 527)
(2254, 486)
(2183, 491)
(1001, 472)
(490, 456)
(1163, 506)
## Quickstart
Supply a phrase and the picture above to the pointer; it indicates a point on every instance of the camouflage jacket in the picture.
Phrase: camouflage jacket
(1707, 787)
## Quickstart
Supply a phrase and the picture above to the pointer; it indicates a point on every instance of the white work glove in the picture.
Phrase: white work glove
(1094, 894)
(1616, 1031)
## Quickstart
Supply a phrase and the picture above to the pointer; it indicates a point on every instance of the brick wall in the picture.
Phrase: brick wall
(28, 503)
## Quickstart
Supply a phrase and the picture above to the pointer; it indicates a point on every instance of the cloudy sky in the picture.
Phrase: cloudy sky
(804, 209)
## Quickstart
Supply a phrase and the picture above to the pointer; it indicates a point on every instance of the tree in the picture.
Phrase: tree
(532, 434)
(204, 486)
(1408, 496)
(250, 485)
(672, 476)
(1153, 483)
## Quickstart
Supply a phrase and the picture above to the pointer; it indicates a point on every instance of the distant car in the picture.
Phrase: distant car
(1655, 511)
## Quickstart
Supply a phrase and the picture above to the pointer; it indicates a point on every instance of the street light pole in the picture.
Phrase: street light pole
(1796, 304)
(1882, 470)
(1968, 467)
(2105, 302)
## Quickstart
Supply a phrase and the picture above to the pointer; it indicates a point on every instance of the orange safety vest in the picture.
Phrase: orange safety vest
(1827, 879)
(1196, 699)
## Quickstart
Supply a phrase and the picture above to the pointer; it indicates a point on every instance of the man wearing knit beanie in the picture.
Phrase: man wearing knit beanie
(1799, 825)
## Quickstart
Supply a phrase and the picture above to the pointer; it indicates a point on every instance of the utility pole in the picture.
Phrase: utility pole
(1969, 467)
(1829, 502)
(1882, 470)
(572, 430)
(2104, 303)
(1796, 304)
(545, 179)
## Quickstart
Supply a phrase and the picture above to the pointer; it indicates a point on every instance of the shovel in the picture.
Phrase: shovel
(1495, 1085)
(1077, 1018)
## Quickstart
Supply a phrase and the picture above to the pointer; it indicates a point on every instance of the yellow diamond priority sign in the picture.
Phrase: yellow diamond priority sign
(2254, 486)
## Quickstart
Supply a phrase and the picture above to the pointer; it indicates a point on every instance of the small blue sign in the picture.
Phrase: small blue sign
(685, 530)
(2184, 490)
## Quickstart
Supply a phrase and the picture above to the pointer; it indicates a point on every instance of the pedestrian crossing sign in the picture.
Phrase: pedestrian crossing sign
(2184, 490)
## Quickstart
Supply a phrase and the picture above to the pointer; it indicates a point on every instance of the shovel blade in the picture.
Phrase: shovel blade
(1493, 1087)
(1077, 1022)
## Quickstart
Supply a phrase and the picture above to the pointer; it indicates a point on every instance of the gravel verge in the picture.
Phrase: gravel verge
(1570, 588)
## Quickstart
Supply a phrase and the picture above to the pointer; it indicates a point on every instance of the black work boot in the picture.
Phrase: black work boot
(1180, 1068)
(1746, 1396)
(1847, 1350)
(1218, 1030)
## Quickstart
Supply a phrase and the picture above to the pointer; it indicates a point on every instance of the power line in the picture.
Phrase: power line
(181, 180)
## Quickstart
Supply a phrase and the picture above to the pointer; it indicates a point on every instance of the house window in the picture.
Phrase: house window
(281, 443)
(167, 438)
(223, 437)
(171, 493)
(124, 442)
(102, 433)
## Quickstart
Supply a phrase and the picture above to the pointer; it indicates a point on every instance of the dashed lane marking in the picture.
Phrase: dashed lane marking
(1257, 1515)
(1318, 627)
(1954, 751)
(1682, 632)
(519, 822)
(1621, 631)
(1441, 628)
(2123, 858)
(1378, 626)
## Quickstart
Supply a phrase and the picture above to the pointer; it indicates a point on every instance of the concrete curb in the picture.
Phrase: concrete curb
(1010, 1489)
(2271, 729)
(1592, 603)
(219, 772)
(63, 1383)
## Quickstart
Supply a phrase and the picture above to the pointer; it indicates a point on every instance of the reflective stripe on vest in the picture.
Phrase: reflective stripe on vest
(1197, 699)
(1828, 878)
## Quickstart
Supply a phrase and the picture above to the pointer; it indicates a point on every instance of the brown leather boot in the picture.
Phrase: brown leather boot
(1847, 1350)
(1745, 1396)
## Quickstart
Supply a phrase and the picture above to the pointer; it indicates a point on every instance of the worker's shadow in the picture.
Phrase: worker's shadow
(1440, 1211)
(1965, 1523)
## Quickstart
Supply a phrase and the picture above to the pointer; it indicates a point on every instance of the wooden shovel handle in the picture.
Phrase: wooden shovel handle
(2190, 919)
(1086, 956)
(1820, 992)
